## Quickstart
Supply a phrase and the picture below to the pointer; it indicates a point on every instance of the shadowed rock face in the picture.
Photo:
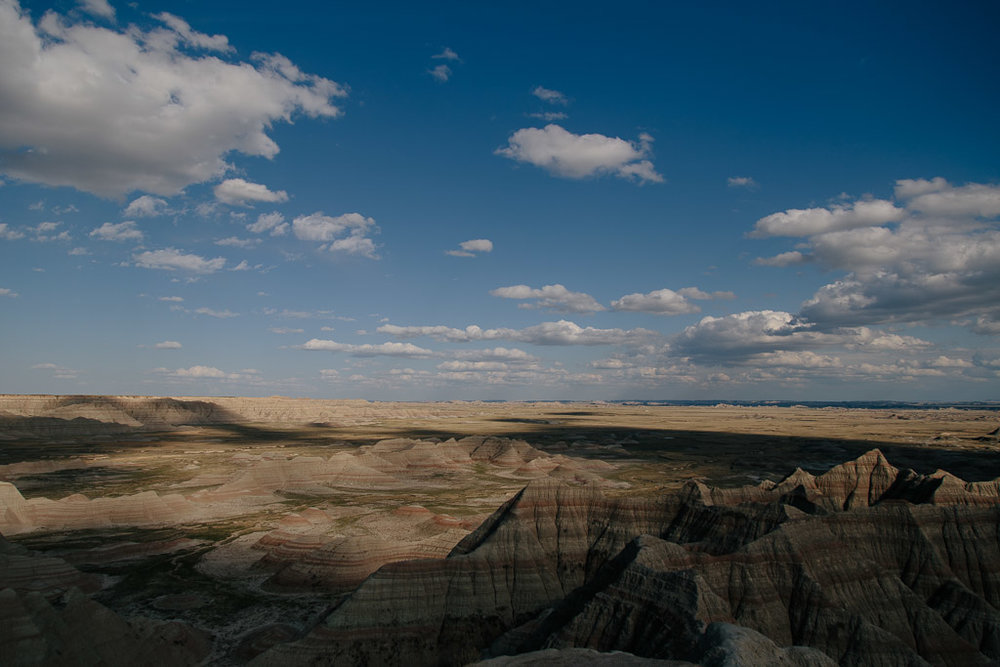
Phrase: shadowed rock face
(865, 564)
(47, 619)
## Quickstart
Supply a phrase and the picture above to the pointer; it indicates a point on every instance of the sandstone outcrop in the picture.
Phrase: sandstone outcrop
(865, 564)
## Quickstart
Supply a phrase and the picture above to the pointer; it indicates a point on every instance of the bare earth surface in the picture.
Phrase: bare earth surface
(289, 531)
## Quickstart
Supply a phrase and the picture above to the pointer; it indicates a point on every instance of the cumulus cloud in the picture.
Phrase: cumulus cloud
(146, 206)
(554, 297)
(510, 355)
(168, 345)
(741, 182)
(472, 366)
(6, 291)
(239, 192)
(440, 73)
(790, 258)
(122, 231)
(46, 232)
(938, 197)
(562, 332)
(346, 233)
(471, 247)
(569, 155)
(550, 96)
(936, 258)
(811, 221)
(269, 222)
(744, 337)
(8, 233)
(200, 372)
(171, 259)
(661, 302)
(236, 242)
(111, 111)
(367, 350)
(285, 330)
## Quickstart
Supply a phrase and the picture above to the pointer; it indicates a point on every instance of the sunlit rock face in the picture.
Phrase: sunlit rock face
(865, 564)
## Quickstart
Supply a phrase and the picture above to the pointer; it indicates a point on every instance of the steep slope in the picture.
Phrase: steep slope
(865, 564)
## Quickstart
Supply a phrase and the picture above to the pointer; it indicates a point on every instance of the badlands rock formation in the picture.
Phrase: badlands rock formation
(46, 415)
(79, 512)
(46, 618)
(865, 564)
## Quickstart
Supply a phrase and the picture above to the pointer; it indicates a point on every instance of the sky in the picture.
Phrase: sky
(516, 201)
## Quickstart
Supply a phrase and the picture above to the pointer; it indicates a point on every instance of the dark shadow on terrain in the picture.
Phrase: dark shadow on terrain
(754, 454)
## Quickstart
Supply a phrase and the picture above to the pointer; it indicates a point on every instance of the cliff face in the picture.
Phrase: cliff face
(865, 564)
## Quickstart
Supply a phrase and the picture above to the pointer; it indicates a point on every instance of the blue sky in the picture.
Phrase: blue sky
(516, 201)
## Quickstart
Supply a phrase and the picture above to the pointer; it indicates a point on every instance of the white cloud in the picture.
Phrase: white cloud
(146, 206)
(548, 116)
(220, 314)
(811, 221)
(447, 54)
(367, 350)
(77, 252)
(201, 373)
(122, 231)
(58, 372)
(938, 197)
(790, 258)
(510, 355)
(741, 182)
(285, 330)
(273, 222)
(9, 233)
(239, 192)
(662, 302)
(569, 155)
(355, 245)
(696, 293)
(98, 8)
(181, 32)
(796, 359)
(473, 366)
(175, 299)
(171, 259)
(562, 332)
(554, 297)
(440, 73)
(744, 337)
(5, 291)
(471, 247)
(352, 228)
(168, 345)
(45, 232)
(550, 96)
(744, 334)
(145, 113)
(236, 242)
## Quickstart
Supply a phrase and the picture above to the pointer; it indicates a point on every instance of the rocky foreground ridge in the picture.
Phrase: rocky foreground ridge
(863, 565)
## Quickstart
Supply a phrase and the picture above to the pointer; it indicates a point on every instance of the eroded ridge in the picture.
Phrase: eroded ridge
(864, 564)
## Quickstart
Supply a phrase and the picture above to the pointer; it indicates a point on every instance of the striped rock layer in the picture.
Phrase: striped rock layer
(863, 565)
